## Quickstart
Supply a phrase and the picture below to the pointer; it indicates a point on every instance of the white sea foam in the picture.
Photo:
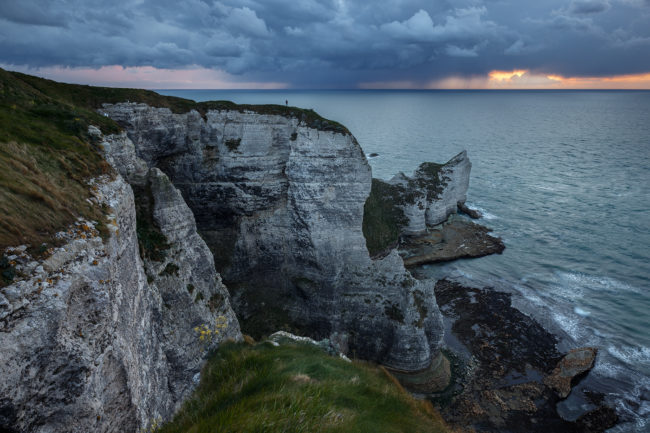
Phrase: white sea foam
(486, 215)
(579, 281)
(630, 355)
(570, 325)
(579, 311)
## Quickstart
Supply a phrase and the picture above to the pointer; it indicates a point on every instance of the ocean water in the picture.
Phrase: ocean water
(563, 177)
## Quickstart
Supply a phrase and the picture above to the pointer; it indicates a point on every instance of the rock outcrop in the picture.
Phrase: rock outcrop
(281, 206)
(573, 366)
(454, 239)
(94, 338)
(433, 192)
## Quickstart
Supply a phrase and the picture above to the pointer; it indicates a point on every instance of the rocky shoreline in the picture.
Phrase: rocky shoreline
(456, 238)
(507, 374)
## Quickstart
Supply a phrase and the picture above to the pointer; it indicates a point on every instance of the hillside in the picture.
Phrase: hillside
(298, 388)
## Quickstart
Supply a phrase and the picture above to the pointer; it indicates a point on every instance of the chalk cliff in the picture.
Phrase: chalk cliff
(104, 334)
(281, 205)
(433, 192)
(96, 337)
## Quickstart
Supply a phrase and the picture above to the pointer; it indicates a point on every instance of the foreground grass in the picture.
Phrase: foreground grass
(298, 388)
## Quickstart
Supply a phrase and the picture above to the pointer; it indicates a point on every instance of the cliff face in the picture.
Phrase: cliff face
(96, 339)
(281, 206)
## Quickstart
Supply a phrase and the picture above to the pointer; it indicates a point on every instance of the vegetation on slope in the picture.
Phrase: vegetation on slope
(298, 388)
(383, 219)
(91, 98)
(45, 160)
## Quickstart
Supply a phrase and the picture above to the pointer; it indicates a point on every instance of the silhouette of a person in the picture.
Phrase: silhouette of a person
(286, 102)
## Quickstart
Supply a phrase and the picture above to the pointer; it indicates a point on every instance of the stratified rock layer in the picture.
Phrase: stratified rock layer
(281, 207)
(95, 339)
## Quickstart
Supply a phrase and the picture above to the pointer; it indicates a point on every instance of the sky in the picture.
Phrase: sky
(341, 44)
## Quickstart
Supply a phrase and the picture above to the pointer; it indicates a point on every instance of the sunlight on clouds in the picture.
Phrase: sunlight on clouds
(519, 79)
(525, 79)
(506, 75)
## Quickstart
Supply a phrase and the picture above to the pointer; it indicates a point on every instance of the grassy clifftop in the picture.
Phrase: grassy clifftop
(46, 155)
(298, 388)
(90, 97)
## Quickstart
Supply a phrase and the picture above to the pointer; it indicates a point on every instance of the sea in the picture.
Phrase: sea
(562, 176)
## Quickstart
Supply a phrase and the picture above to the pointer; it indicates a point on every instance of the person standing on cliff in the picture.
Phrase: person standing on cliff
(286, 102)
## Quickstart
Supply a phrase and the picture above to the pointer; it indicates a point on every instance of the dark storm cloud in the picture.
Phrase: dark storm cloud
(588, 6)
(332, 42)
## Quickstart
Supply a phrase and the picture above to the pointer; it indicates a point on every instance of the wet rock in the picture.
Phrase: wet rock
(453, 240)
(435, 378)
(502, 359)
(597, 420)
(571, 367)
(472, 213)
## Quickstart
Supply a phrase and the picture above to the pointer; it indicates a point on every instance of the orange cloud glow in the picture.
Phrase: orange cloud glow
(505, 75)
(525, 79)
(521, 79)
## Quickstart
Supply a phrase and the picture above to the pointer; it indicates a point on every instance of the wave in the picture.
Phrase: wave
(485, 214)
(577, 280)
(631, 355)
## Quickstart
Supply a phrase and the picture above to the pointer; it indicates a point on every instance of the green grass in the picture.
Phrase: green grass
(46, 158)
(298, 388)
(91, 98)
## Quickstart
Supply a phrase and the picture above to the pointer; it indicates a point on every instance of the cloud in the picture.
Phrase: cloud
(330, 43)
(461, 24)
(245, 20)
(418, 27)
(454, 51)
(34, 13)
(588, 6)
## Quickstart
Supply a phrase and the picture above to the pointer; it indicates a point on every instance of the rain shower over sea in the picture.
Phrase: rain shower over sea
(562, 176)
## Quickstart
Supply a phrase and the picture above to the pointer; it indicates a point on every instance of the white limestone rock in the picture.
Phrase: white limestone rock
(281, 205)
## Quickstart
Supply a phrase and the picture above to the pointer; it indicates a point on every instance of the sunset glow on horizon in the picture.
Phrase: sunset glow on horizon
(148, 77)
(521, 79)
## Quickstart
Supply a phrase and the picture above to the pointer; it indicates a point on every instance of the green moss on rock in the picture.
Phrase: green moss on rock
(382, 217)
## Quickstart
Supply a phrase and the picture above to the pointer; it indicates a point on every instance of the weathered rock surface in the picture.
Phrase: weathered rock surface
(93, 339)
(281, 207)
(433, 192)
(502, 362)
(569, 369)
(454, 239)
